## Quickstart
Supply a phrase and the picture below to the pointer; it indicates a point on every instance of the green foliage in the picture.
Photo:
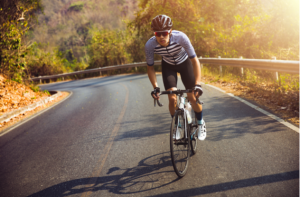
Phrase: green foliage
(17, 78)
(77, 6)
(47, 92)
(35, 88)
(289, 82)
(41, 62)
(229, 28)
(13, 25)
(108, 48)
(67, 38)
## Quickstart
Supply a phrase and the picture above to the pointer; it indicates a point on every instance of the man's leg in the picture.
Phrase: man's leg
(198, 112)
(196, 106)
(172, 101)
(170, 82)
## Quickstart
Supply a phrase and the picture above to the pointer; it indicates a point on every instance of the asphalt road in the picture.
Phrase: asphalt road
(107, 139)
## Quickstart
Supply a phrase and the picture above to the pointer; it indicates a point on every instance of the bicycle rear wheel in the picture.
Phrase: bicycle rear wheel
(194, 134)
(179, 144)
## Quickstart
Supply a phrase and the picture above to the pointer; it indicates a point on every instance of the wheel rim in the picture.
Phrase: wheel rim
(193, 140)
(193, 135)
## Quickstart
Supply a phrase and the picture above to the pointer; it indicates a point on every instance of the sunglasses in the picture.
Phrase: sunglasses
(162, 33)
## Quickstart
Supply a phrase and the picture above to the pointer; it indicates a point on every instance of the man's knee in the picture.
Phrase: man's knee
(172, 99)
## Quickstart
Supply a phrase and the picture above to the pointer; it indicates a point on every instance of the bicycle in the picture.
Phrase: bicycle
(182, 133)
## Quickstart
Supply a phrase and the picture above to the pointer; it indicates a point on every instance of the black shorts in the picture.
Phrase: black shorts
(169, 73)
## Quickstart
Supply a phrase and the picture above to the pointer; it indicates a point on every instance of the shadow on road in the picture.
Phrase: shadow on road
(238, 184)
(148, 175)
(151, 173)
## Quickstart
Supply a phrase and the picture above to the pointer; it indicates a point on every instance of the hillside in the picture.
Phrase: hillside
(69, 24)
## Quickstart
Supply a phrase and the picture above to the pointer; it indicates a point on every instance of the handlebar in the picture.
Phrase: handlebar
(177, 92)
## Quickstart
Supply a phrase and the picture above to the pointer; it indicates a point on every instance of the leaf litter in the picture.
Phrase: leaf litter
(14, 96)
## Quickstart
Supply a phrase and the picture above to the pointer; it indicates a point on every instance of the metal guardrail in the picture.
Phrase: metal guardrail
(284, 66)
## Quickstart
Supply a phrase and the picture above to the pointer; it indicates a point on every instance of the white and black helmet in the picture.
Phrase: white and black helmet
(161, 23)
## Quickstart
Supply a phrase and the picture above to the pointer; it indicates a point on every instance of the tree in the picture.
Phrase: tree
(14, 18)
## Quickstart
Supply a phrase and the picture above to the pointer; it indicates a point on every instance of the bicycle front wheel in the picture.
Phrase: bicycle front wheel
(194, 134)
(179, 144)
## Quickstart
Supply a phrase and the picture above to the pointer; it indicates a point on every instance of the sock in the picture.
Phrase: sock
(199, 117)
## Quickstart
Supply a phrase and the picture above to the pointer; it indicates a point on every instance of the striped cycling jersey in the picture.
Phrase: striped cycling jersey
(178, 50)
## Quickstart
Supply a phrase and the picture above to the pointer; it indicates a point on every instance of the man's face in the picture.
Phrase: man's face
(163, 37)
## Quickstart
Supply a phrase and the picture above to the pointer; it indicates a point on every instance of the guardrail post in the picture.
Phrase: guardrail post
(40, 79)
(276, 73)
(135, 68)
(221, 74)
(201, 65)
(242, 69)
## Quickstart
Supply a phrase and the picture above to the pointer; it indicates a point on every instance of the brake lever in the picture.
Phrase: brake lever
(159, 103)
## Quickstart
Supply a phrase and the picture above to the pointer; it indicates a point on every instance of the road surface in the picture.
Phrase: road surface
(107, 139)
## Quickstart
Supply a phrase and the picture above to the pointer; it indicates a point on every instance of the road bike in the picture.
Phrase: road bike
(183, 132)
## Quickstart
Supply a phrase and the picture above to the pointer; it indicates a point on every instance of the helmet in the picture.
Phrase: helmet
(161, 23)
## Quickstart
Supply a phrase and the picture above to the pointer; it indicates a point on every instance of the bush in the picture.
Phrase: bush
(78, 6)
(34, 88)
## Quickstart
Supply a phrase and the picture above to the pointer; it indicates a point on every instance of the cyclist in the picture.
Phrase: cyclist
(178, 56)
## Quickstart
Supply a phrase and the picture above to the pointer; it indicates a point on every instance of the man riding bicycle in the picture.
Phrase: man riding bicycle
(178, 56)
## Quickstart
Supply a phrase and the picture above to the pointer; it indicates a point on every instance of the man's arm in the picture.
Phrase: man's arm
(152, 77)
(197, 70)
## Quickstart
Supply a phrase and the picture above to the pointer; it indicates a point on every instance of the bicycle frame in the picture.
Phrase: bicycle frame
(181, 107)
(181, 103)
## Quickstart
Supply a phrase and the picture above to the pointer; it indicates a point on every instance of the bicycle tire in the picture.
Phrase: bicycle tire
(194, 137)
(179, 148)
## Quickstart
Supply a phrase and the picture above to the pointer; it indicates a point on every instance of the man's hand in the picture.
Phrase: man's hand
(155, 93)
(198, 91)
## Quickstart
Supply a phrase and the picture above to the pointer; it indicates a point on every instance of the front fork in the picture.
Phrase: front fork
(194, 133)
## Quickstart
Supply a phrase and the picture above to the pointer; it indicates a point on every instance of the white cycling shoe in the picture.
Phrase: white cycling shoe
(202, 131)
